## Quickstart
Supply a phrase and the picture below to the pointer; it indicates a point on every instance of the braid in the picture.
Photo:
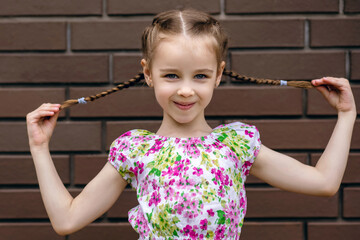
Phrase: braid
(298, 84)
(140, 76)
(131, 82)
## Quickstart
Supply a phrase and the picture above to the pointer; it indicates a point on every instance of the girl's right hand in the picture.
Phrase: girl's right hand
(41, 123)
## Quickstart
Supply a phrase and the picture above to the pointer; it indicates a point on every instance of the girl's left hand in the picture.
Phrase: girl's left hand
(337, 92)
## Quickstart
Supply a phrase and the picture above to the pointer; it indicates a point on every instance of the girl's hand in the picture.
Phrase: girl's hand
(41, 123)
(337, 92)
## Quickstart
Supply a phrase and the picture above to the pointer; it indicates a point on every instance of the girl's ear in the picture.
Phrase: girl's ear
(147, 73)
(219, 73)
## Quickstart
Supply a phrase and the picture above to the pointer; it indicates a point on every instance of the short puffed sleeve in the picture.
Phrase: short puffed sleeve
(121, 157)
(244, 141)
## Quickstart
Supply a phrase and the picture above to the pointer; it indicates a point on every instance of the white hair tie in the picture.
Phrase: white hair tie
(82, 100)
(283, 83)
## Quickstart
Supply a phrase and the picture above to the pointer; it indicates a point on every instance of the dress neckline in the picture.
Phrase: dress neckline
(188, 138)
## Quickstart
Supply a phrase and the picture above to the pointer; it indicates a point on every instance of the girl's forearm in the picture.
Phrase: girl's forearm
(332, 162)
(56, 198)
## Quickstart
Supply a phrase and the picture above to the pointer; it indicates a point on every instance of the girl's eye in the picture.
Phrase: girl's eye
(171, 76)
(200, 76)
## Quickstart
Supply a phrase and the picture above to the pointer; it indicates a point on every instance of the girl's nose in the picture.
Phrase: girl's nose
(185, 91)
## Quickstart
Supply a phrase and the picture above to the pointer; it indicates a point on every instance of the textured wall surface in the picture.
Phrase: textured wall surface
(54, 50)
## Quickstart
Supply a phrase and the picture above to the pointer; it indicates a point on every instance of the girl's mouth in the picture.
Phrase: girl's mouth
(184, 106)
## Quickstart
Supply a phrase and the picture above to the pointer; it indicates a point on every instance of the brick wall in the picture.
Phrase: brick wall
(54, 50)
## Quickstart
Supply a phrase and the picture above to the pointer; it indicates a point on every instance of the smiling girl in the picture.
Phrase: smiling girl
(189, 178)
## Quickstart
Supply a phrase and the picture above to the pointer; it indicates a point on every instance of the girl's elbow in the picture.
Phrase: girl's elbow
(63, 230)
(329, 190)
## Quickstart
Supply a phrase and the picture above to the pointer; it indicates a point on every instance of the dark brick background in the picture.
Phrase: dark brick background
(54, 50)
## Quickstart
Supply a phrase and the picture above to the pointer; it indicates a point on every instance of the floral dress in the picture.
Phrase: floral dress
(187, 188)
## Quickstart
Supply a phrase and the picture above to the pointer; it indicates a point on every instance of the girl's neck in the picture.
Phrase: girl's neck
(197, 128)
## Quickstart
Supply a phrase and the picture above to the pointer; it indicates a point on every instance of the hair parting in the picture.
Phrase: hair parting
(140, 76)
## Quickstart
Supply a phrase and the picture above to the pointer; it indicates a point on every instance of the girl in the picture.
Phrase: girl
(189, 178)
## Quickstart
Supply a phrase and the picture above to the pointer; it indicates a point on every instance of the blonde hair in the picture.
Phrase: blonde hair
(191, 23)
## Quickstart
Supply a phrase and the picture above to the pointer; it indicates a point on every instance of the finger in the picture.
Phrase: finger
(323, 90)
(337, 83)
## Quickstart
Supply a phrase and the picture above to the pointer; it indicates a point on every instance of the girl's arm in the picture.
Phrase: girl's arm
(324, 179)
(67, 214)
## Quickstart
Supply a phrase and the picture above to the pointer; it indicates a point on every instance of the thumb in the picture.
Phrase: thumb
(324, 91)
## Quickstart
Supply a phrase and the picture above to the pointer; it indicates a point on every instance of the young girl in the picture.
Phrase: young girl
(189, 178)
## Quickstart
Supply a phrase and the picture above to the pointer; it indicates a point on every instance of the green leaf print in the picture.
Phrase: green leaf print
(175, 234)
(149, 216)
(150, 164)
(155, 171)
(221, 215)
(178, 158)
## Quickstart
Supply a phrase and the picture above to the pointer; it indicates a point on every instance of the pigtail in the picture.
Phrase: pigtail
(131, 82)
(298, 84)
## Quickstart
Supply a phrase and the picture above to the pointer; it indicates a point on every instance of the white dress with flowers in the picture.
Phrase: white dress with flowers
(187, 188)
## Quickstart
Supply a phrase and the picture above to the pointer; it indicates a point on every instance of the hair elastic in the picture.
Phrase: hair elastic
(82, 100)
(283, 83)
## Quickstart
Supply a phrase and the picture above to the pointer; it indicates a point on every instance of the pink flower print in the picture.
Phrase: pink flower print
(123, 144)
(112, 154)
(141, 166)
(169, 193)
(191, 147)
(186, 230)
(134, 170)
(217, 144)
(249, 133)
(197, 171)
(155, 199)
(221, 191)
(219, 233)
(203, 224)
(156, 147)
(210, 212)
(122, 157)
(245, 168)
(128, 133)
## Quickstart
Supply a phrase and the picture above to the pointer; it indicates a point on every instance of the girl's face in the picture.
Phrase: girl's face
(184, 72)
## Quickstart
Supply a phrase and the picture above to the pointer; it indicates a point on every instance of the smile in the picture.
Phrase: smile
(184, 106)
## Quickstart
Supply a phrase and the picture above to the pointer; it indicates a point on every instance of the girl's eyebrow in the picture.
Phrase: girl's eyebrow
(197, 70)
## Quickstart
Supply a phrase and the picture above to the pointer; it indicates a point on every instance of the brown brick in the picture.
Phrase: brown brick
(108, 231)
(289, 65)
(352, 6)
(22, 231)
(21, 101)
(33, 36)
(244, 97)
(126, 66)
(333, 230)
(121, 207)
(21, 203)
(265, 32)
(135, 102)
(156, 6)
(352, 171)
(282, 6)
(86, 167)
(335, 32)
(298, 156)
(21, 170)
(317, 105)
(54, 68)
(351, 202)
(68, 136)
(115, 129)
(43, 7)
(271, 202)
(299, 134)
(108, 35)
(355, 62)
(272, 231)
